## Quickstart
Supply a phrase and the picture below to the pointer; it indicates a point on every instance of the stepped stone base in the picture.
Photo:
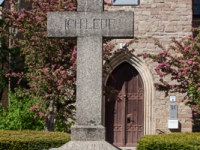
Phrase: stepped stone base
(88, 145)
(88, 138)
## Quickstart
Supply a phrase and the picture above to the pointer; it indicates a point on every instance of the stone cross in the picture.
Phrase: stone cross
(89, 24)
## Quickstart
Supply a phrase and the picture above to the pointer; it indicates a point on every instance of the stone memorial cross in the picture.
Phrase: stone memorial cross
(89, 24)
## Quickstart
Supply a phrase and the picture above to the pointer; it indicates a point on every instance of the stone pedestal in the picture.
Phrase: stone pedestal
(88, 138)
(88, 133)
(88, 145)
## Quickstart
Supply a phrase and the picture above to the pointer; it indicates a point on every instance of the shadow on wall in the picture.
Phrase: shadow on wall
(177, 130)
(196, 126)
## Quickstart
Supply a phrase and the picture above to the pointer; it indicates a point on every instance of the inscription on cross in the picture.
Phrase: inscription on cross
(71, 24)
(81, 24)
(89, 24)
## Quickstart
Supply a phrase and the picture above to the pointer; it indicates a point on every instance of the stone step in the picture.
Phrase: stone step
(127, 148)
(122, 148)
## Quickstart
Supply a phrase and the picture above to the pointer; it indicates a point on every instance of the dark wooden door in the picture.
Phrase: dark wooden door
(124, 106)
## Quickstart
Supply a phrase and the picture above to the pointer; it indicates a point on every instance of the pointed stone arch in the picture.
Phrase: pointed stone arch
(141, 67)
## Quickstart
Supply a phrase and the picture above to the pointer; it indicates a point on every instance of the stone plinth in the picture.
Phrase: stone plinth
(88, 138)
(88, 145)
(88, 133)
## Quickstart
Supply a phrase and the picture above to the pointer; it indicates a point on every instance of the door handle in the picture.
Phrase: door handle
(128, 120)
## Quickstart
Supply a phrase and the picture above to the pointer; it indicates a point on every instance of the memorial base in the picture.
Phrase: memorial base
(88, 145)
(88, 133)
(90, 137)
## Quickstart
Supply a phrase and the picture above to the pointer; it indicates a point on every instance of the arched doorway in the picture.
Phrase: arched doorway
(124, 111)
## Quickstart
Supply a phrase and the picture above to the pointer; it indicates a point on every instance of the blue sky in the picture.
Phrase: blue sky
(1, 1)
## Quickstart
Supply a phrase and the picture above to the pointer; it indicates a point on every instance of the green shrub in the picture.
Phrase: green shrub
(176, 141)
(31, 140)
(18, 116)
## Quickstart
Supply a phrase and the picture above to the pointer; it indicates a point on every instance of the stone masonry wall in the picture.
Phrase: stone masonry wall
(162, 19)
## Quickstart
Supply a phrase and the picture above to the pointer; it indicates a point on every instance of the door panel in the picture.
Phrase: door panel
(115, 108)
(124, 111)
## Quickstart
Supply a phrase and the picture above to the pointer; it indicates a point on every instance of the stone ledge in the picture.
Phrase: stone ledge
(88, 145)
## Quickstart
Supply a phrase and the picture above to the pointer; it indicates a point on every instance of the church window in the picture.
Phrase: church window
(196, 8)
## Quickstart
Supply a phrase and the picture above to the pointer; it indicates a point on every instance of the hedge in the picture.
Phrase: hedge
(31, 140)
(174, 141)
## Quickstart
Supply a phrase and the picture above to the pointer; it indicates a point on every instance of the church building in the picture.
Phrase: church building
(142, 109)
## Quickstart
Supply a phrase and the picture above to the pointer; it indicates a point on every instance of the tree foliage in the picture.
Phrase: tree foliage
(180, 61)
(49, 65)
(19, 116)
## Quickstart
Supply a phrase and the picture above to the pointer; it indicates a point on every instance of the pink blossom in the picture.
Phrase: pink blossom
(74, 52)
(104, 46)
(56, 71)
(63, 72)
(189, 62)
(46, 69)
(20, 17)
(195, 113)
(7, 75)
(72, 58)
(48, 95)
(32, 109)
(41, 114)
(59, 87)
(15, 25)
(172, 86)
(184, 71)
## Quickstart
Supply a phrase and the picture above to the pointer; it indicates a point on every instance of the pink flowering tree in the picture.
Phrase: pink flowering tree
(49, 65)
(4, 62)
(180, 61)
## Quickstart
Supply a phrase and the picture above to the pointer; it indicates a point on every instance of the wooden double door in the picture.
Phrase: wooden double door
(124, 109)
